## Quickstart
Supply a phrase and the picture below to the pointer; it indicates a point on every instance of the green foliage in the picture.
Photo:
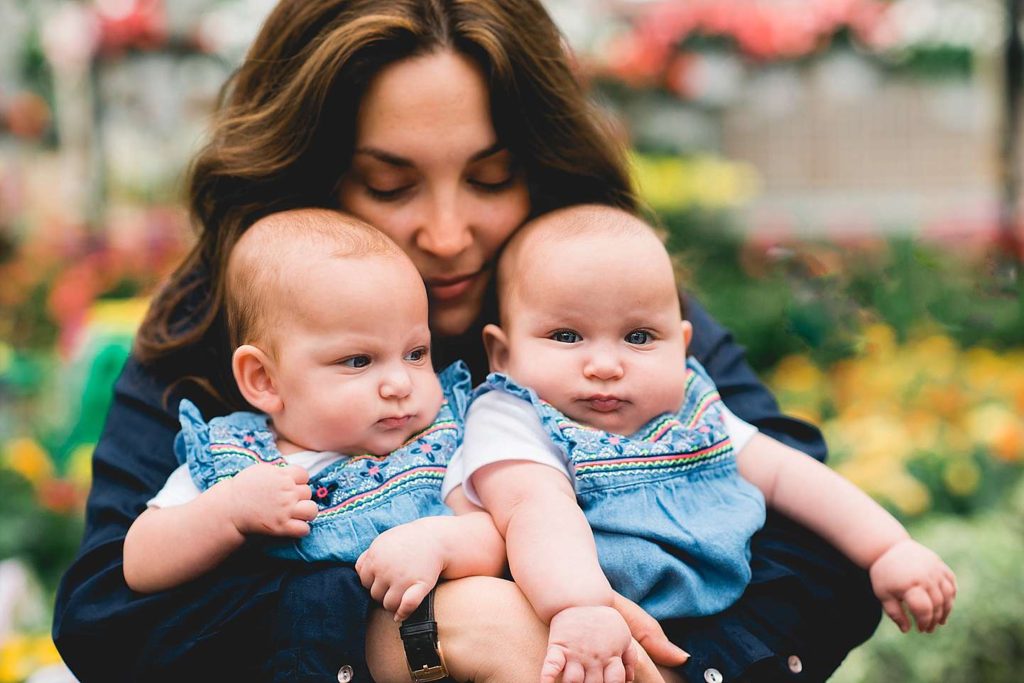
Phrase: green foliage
(813, 297)
(45, 539)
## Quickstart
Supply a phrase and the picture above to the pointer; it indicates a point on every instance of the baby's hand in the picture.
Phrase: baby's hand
(401, 566)
(589, 644)
(910, 573)
(271, 500)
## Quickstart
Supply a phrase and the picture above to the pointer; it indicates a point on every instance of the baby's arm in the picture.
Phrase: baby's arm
(902, 570)
(553, 558)
(169, 546)
(403, 563)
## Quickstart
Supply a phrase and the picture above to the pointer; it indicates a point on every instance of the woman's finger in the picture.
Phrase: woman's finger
(648, 632)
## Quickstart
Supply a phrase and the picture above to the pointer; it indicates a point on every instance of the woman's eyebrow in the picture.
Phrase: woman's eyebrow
(395, 160)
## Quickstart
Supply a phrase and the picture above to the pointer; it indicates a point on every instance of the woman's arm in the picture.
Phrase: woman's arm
(209, 627)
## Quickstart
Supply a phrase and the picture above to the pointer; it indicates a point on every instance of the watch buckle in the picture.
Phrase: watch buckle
(429, 673)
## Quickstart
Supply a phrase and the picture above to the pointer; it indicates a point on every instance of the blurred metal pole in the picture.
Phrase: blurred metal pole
(1009, 238)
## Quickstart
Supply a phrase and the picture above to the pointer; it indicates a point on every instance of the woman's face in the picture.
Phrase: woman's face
(429, 171)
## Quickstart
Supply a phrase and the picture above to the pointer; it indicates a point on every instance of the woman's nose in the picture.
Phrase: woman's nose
(396, 384)
(603, 364)
(445, 232)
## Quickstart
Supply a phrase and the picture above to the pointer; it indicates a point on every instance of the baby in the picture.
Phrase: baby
(600, 451)
(329, 320)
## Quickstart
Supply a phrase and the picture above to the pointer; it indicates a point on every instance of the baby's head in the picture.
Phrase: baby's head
(590, 318)
(329, 321)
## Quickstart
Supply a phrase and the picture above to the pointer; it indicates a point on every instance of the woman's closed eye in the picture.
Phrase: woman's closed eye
(493, 186)
(388, 194)
(639, 337)
(565, 336)
(355, 362)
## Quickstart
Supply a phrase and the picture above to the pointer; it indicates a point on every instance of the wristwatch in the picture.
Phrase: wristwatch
(422, 647)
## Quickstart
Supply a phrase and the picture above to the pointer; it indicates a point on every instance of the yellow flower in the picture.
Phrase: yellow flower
(797, 374)
(26, 457)
(21, 655)
(80, 464)
(961, 476)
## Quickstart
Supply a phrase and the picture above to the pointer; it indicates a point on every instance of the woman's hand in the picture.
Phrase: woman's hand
(270, 500)
(648, 632)
(401, 566)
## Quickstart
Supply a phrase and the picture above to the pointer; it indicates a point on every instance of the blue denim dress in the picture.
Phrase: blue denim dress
(359, 496)
(671, 516)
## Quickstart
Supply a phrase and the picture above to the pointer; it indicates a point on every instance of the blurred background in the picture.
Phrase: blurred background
(840, 179)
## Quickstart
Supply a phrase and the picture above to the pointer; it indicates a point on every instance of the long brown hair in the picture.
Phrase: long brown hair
(284, 133)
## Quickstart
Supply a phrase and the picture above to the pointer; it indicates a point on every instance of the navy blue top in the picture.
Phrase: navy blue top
(804, 599)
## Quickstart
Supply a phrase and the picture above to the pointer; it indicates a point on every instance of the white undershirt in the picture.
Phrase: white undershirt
(500, 427)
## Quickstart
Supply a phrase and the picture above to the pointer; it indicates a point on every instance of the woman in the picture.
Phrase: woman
(446, 124)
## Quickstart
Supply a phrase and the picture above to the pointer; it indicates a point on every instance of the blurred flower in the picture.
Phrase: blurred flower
(28, 115)
(79, 467)
(21, 655)
(26, 457)
(923, 401)
(961, 476)
(61, 496)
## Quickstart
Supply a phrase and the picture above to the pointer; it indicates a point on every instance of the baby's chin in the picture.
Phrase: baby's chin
(622, 421)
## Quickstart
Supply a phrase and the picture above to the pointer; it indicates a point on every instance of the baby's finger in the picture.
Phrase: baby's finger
(298, 474)
(615, 671)
(894, 609)
(295, 528)
(938, 605)
(573, 673)
(948, 593)
(379, 589)
(920, 606)
(413, 596)
(305, 510)
(303, 492)
(593, 673)
(629, 661)
(554, 663)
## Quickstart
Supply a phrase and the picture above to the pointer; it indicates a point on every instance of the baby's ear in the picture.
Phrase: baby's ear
(687, 334)
(496, 344)
(253, 371)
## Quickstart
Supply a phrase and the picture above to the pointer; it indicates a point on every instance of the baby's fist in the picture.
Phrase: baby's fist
(910, 573)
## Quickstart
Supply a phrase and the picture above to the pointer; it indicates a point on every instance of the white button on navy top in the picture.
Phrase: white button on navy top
(713, 676)
(345, 674)
(795, 665)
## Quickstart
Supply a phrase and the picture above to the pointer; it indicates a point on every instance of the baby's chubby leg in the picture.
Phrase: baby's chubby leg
(488, 632)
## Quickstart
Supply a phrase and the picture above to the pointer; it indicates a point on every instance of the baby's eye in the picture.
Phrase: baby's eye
(356, 362)
(565, 337)
(639, 337)
(417, 354)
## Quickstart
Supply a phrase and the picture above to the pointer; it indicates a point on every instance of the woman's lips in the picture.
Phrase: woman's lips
(446, 289)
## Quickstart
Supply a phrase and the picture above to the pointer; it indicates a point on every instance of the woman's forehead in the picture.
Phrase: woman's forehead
(437, 100)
